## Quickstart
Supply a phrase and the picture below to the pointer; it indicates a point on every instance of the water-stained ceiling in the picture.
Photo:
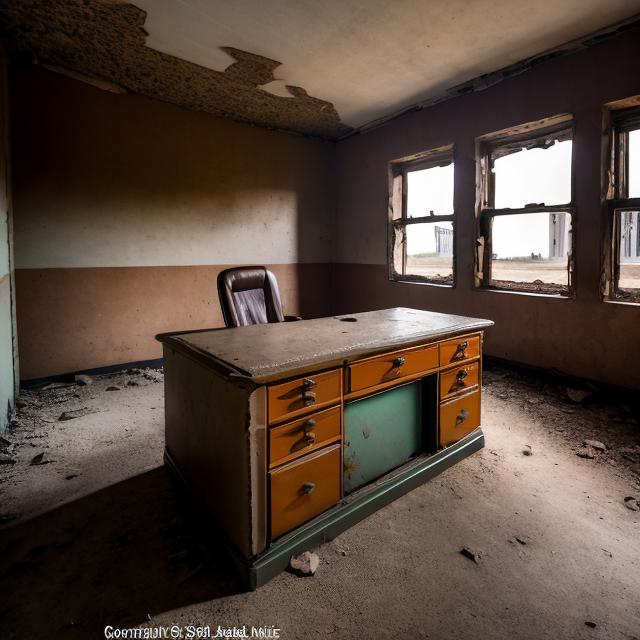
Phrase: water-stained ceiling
(317, 68)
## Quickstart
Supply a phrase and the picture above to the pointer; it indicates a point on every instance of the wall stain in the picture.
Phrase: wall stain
(106, 40)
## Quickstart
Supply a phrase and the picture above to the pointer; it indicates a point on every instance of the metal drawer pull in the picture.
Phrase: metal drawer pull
(461, 417)
(308, 487)
(398, 362)
(308, 383)
(460, 349)
(308, 425)
(460, 376)
(309, 438)
(308, 398)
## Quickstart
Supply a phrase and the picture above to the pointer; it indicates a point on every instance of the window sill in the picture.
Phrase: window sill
(533, 294)
(442, 285)
(624, 303)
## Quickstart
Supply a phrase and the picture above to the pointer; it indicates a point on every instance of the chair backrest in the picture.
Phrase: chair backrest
(249, 295)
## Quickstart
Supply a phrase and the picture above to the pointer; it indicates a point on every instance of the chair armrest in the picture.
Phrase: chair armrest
(292, 318)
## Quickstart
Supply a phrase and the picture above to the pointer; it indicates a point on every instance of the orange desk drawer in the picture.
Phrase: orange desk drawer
(459, 417)
(459, 380)
(459, 350)
(304, 488)
(304, 395)
(392, 366)
(295, 439)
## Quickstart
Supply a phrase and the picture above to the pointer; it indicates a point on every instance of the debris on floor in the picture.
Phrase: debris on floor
(41, 458)
(577, 395)
(527, 451)
(632, 503)
(89, 434)
(83, 379)
(74, 413)
(5, 458)
(305, 564)
(472, 555)
(594, 444)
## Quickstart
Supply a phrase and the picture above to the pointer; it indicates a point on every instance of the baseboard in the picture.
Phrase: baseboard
(560, 378)
(35, 383)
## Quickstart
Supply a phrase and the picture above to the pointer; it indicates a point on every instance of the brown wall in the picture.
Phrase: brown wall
(127, 208)
(583, 336)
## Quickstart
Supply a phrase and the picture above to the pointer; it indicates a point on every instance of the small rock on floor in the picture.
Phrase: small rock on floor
(594, 444)
(590, 624)
(632, 503)
(586, 452)
(577, 395)
(304, 564)
(71, 415)
(5, 458)
(114, 387)
(41, 458)
(472, 555)
(527, 451)
(83, 379)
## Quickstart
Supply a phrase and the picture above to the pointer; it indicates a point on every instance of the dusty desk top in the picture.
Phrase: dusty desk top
(270, 351)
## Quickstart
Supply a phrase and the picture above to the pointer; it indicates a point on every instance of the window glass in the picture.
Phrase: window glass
(629, 250)
(531, 249)
(430, 250)
(534, 176)
(430, 192)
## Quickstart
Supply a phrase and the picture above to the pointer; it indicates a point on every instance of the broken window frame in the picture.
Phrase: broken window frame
(399, 221)
(620, 118)
(540, 134)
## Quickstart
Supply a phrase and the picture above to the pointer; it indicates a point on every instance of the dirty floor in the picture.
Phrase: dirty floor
(93, 532)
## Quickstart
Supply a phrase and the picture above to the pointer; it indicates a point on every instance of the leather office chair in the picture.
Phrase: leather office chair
(249, 295)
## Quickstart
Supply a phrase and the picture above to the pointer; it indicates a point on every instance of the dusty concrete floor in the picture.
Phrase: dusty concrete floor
(114, 545)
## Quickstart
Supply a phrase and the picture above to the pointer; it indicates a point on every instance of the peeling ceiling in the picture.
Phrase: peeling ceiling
(318, 68)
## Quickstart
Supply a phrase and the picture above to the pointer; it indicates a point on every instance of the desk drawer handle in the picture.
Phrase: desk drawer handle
(398, 362)
(308, 383)
(460, 350)
(461, 417)
(309, 438)
(460, 376)
(308, 425)
(308, 398)
(308, 488)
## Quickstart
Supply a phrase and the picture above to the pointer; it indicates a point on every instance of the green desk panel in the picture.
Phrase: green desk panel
(381, 433)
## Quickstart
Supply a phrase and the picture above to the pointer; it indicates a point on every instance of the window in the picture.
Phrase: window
(421, 217)
(525, 208)
(622, 246)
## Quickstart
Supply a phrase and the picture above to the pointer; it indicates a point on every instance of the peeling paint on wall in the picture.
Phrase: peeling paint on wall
(106, 40)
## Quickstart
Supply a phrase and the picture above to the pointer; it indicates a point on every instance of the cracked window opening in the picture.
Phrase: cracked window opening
(621, 265)
(526, 216)
(422, 218)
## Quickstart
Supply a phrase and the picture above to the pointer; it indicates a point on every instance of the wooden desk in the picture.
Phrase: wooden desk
(289, 433)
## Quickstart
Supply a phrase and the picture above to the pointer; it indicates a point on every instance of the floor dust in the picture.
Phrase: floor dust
(99, 536)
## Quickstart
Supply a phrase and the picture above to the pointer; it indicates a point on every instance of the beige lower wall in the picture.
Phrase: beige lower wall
(75, 319)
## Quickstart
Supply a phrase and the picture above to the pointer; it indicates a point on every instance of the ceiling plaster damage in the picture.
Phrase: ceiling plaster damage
(105, 40)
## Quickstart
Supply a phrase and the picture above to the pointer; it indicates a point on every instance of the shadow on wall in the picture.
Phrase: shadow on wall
(126, 209)
(115, 557)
